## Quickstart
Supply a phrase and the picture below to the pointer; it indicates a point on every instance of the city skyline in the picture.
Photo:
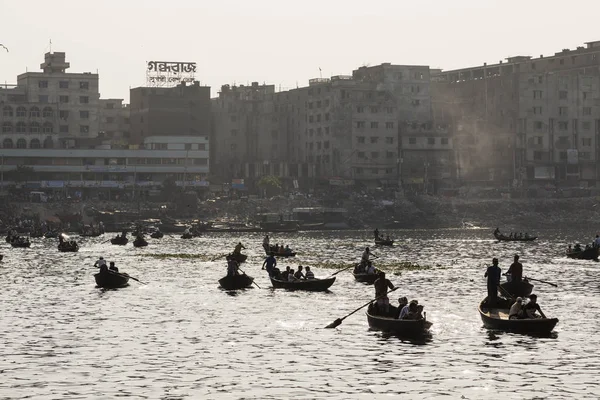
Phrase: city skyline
(284, 46)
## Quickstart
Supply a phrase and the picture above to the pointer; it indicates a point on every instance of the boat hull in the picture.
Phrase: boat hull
(236, 282)
(517, 289)
(240, 258)
(400, 327)
(110, 280)
(366, 278)
(310, 285)
(140, 243)
(119, 242)
(68, 249)
(503, 238)
(379, 242)
(497, 319)
(587, 254)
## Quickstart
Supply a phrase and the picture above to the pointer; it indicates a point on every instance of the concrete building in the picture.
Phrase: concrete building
(183, 110)
(114, 122)
(526, 121)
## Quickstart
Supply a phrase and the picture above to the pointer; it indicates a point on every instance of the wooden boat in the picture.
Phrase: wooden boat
(140, 242)
(518, 289)
(21, 242)
(71, 247)
(591, 253)
(383, 242)
(497, 318)
(157, 235)
(365, 278)
(240, 258)
(119, 240)
(503, 238)
(400, 327)
(236, 282)
(311, 285)
(11, 238)
(111, 280)
(271, 249)
(187, 236)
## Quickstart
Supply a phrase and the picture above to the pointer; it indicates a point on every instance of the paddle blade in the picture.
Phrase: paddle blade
(334, 324)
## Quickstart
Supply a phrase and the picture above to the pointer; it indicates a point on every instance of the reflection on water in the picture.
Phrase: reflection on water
(181, 336)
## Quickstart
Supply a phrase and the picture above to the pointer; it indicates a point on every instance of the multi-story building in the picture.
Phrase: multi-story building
(183, 110)
(527, 120)
(113, 122)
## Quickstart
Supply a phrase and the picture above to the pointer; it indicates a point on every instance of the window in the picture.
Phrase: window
(587, 110)
(585, 155)
(416, 102)
(43, 84)
(563, 110)
(64, 129)
(35, 144)
(7, 127)
(374, 171)
(43, 98)
(390, 154)
(110, 106)
(586, 125)
(430, 141)
(34, 112)
(412, 140)
(47, 112)
(563, 125)
(311, 118)
(84, 85)
(562, 155)
(21, 144)
(48, 127)
(326, 116)
(84, 99)
(327, 130)
(361, 139)
(310, 105)
(537, 125)
(563, 139)
(360, 109)
(374, 125)
(21, 112)
(562, 95)
(311, 132)
(585, 95)
(374, 109)
(84, 129)
(540, 79)
(374, 139)
(7, 111)
(110, 120)
(537, 94)
(359, 171)
(389, 125)
(360, 124)
(234, 132)
(537, 110)
(7, 144)
(389, 110)
(63, 84)
(319, 118)
(389, 140)
(445, 141)
(34, 127)
(374, 154)
(63, 99)
(84, 114)
(586, 141)
(361, 154)
(537, 155)
(48, 143)
(539, 140)
(21, 127)
(63, 114)
(326, 144)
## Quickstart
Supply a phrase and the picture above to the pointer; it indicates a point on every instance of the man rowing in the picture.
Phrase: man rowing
(493, 280)
(515, 270)
(381, 287)
(270, 263)
(238, 249)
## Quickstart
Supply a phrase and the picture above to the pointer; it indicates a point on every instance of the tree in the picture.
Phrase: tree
(169, 189)
(270, 184)
(21, 174)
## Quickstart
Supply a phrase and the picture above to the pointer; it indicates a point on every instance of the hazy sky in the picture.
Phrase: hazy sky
(282, 42)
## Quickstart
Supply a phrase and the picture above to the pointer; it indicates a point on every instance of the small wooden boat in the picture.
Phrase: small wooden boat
(119, 240)
(503, 238)
(383, 242)
(240, 258)
(21, 242)
(591, 253)
(401, 327)
(365, 278)
(157, 235)
(68, 247)
(236, 282)
(111, 280)
(187, 236)
(497, 318)
(518, 289)
(311, 285)
(278, 253)
(11, 238)
(140, 242)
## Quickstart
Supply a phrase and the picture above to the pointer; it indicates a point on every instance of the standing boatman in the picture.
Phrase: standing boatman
(493, 280)
(515, 270)
(271, 263)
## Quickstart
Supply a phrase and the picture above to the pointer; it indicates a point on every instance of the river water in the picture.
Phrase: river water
(180, 336)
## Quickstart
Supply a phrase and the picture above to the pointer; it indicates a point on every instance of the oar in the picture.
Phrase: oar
(252, 279)
(124, 276)
(217, 257)
(343, 269)
(539, 280)
(106, 241)
(506, 292)
(338, 321)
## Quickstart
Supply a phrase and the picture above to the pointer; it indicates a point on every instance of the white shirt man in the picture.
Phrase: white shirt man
(101, 262)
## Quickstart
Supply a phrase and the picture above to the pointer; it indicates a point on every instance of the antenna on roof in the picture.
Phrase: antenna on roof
(50, 45)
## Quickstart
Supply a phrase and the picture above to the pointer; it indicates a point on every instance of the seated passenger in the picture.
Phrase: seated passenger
(406, 309)
(113, 267)
(370, 268)
(413, 311)
(402, 303)
(291, 277)
(516, 309)
(284, 274)
(299, 274)
(529, 310)
(309, 273)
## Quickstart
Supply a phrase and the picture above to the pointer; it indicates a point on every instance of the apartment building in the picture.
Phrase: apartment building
(526, 121)
(114, 125)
